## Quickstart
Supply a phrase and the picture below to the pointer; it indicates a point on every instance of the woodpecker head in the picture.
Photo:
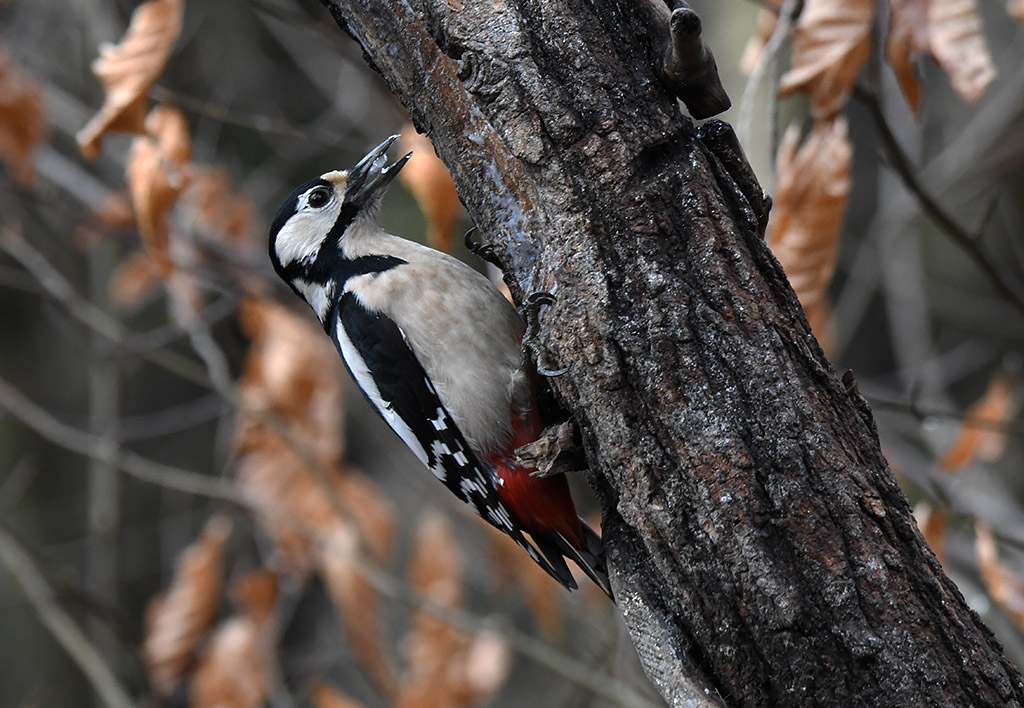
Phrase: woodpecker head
(308, 228)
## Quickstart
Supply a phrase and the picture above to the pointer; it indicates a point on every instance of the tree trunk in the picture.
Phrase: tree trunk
(758, 542)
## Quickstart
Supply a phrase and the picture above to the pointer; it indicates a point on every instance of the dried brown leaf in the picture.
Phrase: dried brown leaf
(324, 696)
(156, 175)
(217, 210)
(437, 560)
(274, 477)
(134, 279)
(115, 212)
(129, 68)
(933, 524)
(433, 647)
(237, 668)
(832, 43)
(1004, 586)
(446, 666)
(950, 31)
(1016, 9)
(958, 45)
(22, 121)
(372, 512)
(293, 371)
(167, 125)
(430, 183)
(357, 602)
(180, 617)
(983, 433)
(186, 295)
(908, 39)
(487, 664)
(256, 592)
(811, 189)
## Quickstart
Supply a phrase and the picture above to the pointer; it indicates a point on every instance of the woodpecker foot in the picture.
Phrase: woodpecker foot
(689, 67)
(481, 250)
(531, 338)
(555, 452)
(719, 137)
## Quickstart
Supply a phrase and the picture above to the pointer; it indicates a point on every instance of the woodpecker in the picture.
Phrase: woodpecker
(437, 351)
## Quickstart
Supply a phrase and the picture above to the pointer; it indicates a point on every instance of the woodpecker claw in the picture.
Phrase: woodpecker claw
(539, 299)
(552, 373)
(480, 250)
(531, 338)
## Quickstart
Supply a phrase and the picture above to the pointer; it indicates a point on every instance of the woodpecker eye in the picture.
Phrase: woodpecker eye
(318, 197)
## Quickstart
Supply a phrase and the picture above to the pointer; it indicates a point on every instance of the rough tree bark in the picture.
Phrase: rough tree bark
(759, 544)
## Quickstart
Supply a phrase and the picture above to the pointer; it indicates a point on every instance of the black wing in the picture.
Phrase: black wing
(387, 371)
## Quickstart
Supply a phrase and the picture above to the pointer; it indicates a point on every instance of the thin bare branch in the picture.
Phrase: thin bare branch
(34, 416)
(251, 121)
(104, 490)
(60, 624)
(968, 241)
(18, 480)
(172, 419)
(784, 27)
(86, 312)
(912, 408)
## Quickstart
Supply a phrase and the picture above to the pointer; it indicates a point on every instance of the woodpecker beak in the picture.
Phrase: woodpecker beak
(369, 177)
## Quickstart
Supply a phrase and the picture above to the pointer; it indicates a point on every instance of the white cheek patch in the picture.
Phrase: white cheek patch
(300, 238)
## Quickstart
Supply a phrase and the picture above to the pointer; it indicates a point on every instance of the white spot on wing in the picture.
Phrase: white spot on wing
(437, 449)
(438, 421)
(499, 515)
(532, 552)
(470, 485)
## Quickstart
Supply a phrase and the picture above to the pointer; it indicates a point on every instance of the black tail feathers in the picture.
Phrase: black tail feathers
(555, 549)
(590, 559)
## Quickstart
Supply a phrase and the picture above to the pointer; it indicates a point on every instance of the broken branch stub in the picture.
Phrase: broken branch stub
(690, 70)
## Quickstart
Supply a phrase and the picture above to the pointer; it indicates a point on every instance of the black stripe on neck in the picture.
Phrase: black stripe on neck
(346, 268)
(346, 215)
(329, 259)
(351, 268)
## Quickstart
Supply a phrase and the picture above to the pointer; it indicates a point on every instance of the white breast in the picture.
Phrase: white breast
(463, 331)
